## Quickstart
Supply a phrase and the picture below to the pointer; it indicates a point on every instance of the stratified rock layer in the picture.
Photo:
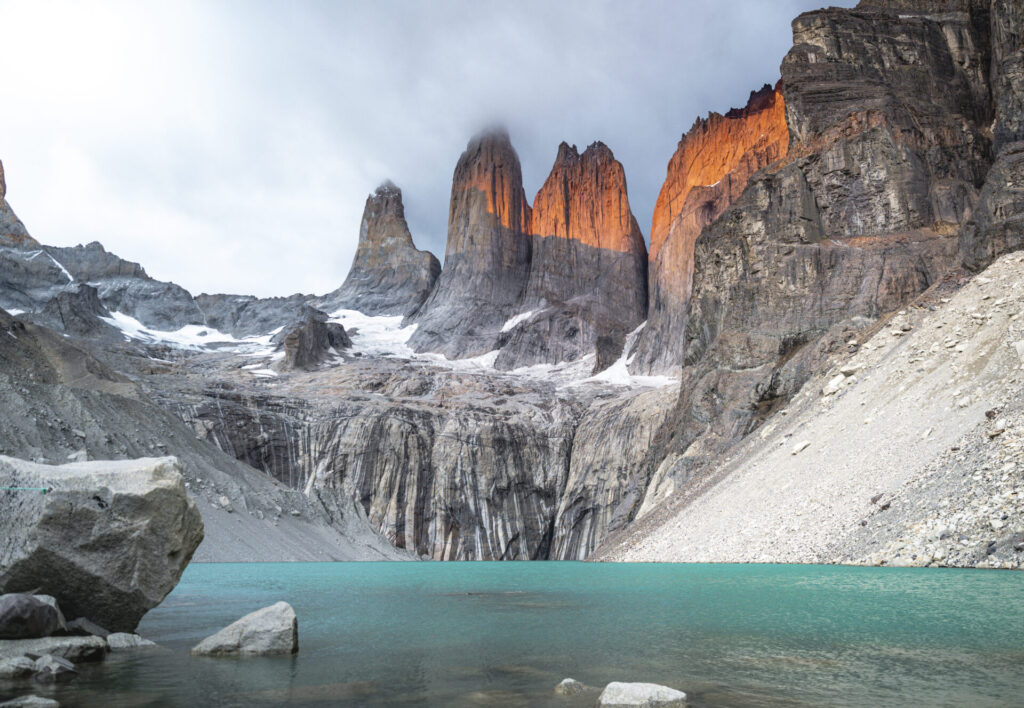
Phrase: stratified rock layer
(487, 259)
(389, 275)
(1008, 71)
(710, 169)
(109, 540)
(588, 270)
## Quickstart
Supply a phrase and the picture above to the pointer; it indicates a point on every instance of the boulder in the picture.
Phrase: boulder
(54, 669)
(16, 668)
(569, 687)
(272, 630)
(122, 641)
(24, 616)
(640, 695)
(76, 649)
(109, 540)
(310, 341)
(30, 702)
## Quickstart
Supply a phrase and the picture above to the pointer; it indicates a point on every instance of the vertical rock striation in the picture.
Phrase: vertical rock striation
(588, 271)
(389, 275)
(710, 168)
(1007, 18)
(487, 259)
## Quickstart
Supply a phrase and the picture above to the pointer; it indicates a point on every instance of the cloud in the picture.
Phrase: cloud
(229, 146)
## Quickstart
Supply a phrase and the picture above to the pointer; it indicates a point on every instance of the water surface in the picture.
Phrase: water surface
(505, 633)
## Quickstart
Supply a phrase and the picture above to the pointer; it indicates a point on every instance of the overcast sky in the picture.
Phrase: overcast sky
(230, 146)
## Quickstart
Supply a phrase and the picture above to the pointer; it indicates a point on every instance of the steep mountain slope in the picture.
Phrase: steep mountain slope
(907, 450)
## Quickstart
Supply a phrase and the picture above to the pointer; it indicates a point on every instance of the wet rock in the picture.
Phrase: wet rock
(272, 630)
(16, 668)
(75, 649)
(30, 702)
(109, 540)
(389, 275)
(83, 626)
(54, 669)
(123, 641)
(640, 695)
(25, 616)
(569, 687)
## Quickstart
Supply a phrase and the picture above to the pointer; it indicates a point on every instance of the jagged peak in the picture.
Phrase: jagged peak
(387, 188)
(3, 183)
(760, 100)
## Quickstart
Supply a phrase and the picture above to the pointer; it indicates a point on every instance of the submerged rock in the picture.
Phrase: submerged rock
(109, 539)
(272, 630)
(640, 695)
(123, 641)
(16, 668)
(24, 616)
(569, 687)
(30, 702)
(76, 649)
(54, 669)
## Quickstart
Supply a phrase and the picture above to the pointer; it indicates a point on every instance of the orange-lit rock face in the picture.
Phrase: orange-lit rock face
(487, 191)
(584, 198)
(714, 161)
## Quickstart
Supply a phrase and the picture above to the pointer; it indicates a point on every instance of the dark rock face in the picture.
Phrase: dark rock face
(389, 275)
(78, 311)
(998, 225)
(1008, 71)
(588, 269)
(888, 147)
(109, 540)
(709, 170)
(487, 259)
(311, 341)
(246, 316)
(24, 616)
(12, 231)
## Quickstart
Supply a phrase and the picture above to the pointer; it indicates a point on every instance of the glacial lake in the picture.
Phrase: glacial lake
(504, 634)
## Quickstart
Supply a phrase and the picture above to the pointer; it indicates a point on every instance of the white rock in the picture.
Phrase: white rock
(272, 630)
(800, 446)
(122, 641)
(640, 695)
(833, 385)
(17, 667)
(30, 702)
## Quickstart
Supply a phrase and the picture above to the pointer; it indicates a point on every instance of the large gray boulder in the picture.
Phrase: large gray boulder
(272, 630)
(24, 616)
(108, 539)
(640, 695)
(30, 702)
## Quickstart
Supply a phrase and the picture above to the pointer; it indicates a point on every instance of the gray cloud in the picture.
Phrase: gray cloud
(230, 146)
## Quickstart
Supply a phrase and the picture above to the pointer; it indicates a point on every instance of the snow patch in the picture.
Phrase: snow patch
(190, 337)
(514, 321)
(15, 312)
(376, 336)
(618, 373)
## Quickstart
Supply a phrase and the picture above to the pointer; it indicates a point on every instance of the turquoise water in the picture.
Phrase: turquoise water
(506, 633)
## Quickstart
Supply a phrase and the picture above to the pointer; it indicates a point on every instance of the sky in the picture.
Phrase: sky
(230, 146)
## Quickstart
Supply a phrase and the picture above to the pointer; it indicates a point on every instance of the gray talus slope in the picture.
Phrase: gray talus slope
(876, 467)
